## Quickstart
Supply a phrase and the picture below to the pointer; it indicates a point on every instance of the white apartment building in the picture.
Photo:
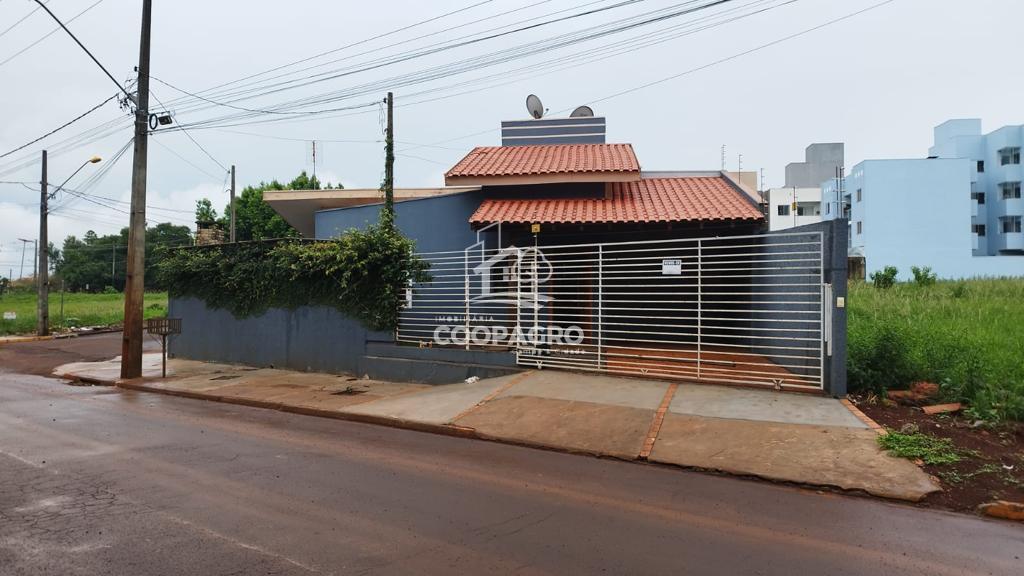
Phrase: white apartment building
(799, 201)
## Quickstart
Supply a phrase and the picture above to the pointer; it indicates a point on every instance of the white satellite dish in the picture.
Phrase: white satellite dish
(534, 105)
(582, 112)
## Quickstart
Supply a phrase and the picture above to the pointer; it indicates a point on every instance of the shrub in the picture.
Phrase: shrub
(923, 276)
(362, 273)
(884, 278)
(878, 359)
(959, 290)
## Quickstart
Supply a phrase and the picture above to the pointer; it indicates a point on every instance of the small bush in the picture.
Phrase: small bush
(884, 278)
(878, 360)
(959, 290)
(930, 449)
(923, 277)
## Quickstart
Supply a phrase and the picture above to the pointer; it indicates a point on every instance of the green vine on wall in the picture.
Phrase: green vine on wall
(362, 273)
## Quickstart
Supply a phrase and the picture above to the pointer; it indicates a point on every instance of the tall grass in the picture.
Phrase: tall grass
(966, 336)
(80, 309)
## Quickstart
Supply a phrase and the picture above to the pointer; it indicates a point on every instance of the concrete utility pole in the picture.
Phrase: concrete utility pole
(43, 286)
(232, 202)
(131, 339)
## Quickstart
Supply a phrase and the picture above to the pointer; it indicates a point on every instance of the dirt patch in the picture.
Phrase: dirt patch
(992, 464)
(40, 357)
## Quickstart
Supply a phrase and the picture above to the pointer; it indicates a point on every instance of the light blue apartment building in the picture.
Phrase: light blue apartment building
(958, 211)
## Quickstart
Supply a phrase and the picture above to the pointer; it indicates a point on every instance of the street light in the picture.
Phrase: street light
(43, 272)
(92, 160)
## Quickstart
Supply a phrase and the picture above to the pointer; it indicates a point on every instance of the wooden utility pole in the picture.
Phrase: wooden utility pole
(43, 281)
(232, 202)
(131, 339)
(389, 165)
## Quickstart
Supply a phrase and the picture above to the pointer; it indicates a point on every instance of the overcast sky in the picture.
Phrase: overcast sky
(879, 81)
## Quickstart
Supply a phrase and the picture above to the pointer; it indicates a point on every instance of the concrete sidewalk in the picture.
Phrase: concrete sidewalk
(777, 436)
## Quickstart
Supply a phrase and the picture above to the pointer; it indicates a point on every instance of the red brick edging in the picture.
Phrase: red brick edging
(656, 422)
(862, 416)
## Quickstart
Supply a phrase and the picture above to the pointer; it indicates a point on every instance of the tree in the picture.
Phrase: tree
(205, 214)
(255, 219)
(94, 262)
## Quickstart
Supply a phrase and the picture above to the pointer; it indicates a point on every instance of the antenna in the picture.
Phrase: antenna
(582, 112)
(534, 106)
(723, 157)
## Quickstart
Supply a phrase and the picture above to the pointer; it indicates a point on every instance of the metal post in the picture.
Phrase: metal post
(465, 274)
(233, 202)
(113, 262)
(163, 352)
(61, 302)
(700, 301)
(43, 282)
(600, 303)
(131, 339)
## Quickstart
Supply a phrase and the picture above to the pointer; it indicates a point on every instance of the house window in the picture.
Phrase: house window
(1010, 190)
(799, 210)
(1011, 224)
(783, 209)
(860, 227)
(979, 196)
(978, 229)
(858, 194)
(827, 207)
(1009, 156)
(981, 165)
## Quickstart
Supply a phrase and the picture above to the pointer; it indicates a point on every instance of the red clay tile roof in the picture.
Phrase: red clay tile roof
(545, 159)
(680, 199)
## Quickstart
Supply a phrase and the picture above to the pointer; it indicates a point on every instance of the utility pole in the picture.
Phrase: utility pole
(43, 287)
(389, 165)
(232, 202)
(24, 243)
(131, 339)
(113, 262)
(35, 262)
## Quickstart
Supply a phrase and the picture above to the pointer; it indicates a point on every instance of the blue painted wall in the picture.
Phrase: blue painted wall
(436, 224)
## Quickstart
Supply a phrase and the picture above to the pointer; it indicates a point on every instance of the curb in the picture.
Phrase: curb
(20, 339)
(862, 416)
(443, 429)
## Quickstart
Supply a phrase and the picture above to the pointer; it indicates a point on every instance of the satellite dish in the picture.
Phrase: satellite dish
(534, 105)
(582, 112)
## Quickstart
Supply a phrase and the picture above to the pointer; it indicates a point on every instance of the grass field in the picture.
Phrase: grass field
(968, 337)
(79, 310)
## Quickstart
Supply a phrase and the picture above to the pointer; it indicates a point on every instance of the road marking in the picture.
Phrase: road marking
(659, 418)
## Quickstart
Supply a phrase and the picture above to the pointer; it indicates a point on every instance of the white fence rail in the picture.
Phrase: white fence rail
(741, 309)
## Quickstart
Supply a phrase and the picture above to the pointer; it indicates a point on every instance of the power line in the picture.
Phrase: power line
(198, 145)
(61, 127)
(50, 33)
(82, 46)
(20, 20)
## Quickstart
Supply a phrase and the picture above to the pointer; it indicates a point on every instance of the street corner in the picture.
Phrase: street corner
(842, 457)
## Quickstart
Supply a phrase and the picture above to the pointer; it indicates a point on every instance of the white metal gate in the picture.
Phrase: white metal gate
(741, 309)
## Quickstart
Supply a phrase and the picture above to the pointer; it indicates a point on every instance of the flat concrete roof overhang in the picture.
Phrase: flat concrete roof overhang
(299, 207)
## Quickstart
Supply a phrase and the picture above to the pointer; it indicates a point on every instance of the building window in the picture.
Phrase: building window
(1011, 224)
(827, 207)
(783, 209)
(860, 227)
(979, 196)
(981, 165)
(978, 229)
(858, 194)
(1009, 156)
(1010, 190)
(799, 210)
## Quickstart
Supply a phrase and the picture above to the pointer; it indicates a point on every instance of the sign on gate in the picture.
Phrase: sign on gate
(744, 309)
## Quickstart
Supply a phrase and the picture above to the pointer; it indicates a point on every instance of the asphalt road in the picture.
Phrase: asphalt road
(101, 481)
